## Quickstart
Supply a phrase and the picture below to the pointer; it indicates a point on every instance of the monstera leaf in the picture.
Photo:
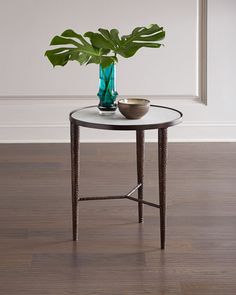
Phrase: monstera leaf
(127, 46)
(104, 45)
(83, 51)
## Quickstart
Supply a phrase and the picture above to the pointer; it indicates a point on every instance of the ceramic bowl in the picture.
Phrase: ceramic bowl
(133, 108)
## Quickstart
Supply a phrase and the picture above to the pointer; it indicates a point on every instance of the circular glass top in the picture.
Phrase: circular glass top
(157, 117)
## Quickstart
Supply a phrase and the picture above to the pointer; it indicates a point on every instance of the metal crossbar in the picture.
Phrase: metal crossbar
(101, 198)
(127, 196)
(143, 202)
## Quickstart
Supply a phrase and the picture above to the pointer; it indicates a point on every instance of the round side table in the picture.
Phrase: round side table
(158, 117)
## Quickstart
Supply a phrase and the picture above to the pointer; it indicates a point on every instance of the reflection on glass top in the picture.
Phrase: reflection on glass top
(156, 115)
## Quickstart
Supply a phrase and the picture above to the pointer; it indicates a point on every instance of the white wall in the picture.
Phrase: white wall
(26, 38)
(45, 119)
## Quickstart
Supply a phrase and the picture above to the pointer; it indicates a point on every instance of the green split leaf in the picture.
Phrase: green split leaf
(102, 47)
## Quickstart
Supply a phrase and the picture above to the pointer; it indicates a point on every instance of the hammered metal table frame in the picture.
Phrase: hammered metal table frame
(140, 146)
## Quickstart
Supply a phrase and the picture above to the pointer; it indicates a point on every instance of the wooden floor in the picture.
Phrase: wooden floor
(115, 255)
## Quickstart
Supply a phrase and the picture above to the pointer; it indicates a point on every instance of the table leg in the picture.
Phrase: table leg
(162, 161)
(140, 160)
(75, 171)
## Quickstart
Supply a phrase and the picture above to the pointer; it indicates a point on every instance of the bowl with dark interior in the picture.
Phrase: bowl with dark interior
(133, 108)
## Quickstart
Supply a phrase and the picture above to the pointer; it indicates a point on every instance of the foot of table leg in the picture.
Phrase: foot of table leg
(140, 160)
(75, 162)
(162, 159)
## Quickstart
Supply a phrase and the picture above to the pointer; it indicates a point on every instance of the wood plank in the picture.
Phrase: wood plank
(116, 255)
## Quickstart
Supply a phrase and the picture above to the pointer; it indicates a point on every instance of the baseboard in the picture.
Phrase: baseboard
(56, 133)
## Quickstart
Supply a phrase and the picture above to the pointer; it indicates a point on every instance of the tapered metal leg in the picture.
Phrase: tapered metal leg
(75, 173)
(140, 160)
(162, 161)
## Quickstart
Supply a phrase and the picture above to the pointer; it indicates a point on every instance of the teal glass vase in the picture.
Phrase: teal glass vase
(107, 90)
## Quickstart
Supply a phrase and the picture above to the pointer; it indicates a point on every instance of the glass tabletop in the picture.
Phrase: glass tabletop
(157, 117)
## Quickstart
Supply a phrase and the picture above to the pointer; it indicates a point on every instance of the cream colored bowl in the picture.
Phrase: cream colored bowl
(133, 108)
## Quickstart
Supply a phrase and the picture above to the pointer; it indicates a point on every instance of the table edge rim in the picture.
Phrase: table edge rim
(126, 127)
